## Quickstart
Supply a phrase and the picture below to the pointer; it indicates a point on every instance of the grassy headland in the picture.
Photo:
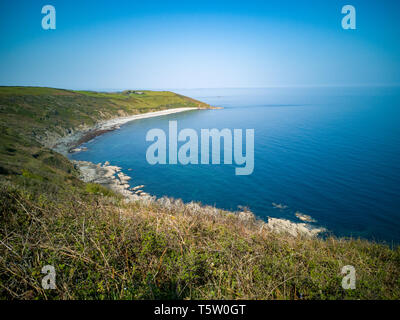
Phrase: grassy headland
(105, 248)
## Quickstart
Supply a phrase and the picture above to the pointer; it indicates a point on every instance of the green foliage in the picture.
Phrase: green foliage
(95, 188)
(30, 175)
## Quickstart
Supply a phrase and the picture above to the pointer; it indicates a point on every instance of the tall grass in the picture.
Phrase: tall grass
(103, 248)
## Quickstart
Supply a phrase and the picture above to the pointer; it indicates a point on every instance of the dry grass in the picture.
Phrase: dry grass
(103, 248)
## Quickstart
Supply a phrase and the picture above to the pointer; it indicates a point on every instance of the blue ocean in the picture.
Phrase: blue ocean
(328, 152)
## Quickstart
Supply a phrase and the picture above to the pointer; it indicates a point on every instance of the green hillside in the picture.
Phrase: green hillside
(32, 111)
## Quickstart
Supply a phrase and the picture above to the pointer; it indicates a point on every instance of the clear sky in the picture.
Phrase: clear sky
(199, 44)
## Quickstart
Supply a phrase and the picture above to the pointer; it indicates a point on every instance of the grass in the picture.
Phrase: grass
(104, 248)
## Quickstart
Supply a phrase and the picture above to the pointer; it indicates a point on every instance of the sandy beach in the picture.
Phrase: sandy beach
(71, 142)
(106, 125)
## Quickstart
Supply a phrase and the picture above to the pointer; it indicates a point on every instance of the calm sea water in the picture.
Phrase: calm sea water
(331, 153)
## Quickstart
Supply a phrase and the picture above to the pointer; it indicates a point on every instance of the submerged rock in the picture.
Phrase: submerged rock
(279, 206)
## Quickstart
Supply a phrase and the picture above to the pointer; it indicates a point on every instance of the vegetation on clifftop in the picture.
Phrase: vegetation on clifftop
(33, 111)
(104, 248)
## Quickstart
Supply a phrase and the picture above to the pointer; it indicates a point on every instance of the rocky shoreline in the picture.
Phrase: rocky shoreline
(105, 174)
(110, 177)
(114, 179)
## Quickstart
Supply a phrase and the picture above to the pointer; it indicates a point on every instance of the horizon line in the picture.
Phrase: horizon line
(368, 85)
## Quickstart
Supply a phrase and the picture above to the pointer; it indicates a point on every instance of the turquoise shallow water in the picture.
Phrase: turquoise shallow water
(331, 153)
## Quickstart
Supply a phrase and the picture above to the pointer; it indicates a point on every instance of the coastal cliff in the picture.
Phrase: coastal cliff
(106, 245)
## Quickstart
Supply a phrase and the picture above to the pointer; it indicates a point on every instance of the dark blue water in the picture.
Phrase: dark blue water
(331, 153)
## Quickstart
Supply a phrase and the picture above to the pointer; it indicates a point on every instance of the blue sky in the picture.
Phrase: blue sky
(199, 44)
